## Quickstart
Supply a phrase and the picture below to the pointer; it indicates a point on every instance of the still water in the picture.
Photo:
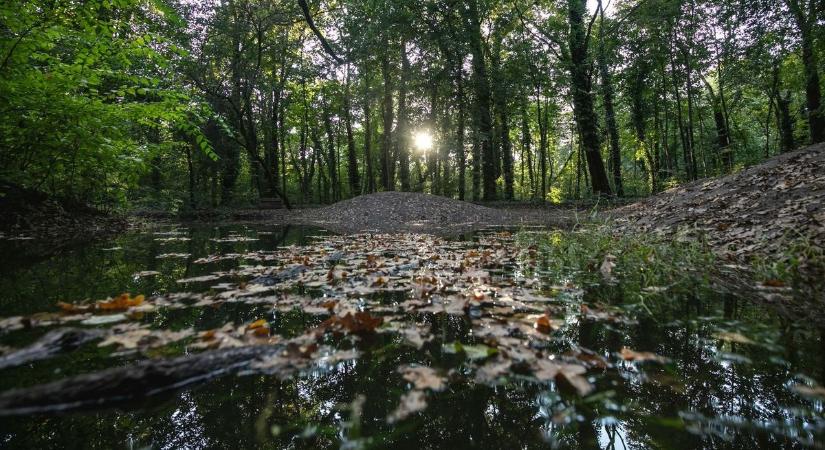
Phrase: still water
(736, 391)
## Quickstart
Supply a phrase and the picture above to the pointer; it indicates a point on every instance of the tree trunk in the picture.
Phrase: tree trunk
(609, 113)
(332, 167)
(482, 94)
(542, 120)
(402, 131)
(387, 181)
(352, 157)
(459, 146)
(583, 111)
(369, 172)
(526, 149)
(806, 21)
(786, 123)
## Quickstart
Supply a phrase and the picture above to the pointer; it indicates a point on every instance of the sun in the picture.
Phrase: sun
(423, 140)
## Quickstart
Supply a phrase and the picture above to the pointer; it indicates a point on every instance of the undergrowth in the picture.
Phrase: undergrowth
(594, 255)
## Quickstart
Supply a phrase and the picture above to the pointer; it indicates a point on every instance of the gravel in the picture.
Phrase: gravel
(390, 212)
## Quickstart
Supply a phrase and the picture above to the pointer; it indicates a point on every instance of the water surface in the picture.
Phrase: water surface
(715, 391)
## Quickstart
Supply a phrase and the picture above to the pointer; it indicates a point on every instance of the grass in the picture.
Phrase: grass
(592, 254)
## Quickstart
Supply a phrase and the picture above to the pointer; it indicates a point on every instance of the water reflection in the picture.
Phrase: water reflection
(716, 393)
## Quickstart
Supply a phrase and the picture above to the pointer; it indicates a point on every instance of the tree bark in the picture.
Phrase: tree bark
(806, 21)
(461, 154)
(482, 94)
(352, 157)
(402, 130)
(387, 180)
(609, 112)
(583, 111)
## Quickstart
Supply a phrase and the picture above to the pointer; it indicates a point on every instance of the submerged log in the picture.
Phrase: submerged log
(135, 381)
(52, 343)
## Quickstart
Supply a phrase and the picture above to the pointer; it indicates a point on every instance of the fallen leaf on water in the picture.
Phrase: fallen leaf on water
(632, 355)
(259, 327)
(493, 370)
(71, 308)
(423, 377)
(473, 352)
(104, 319)
(773, 283)
(411, 402)
(734, 337)
(546, 325)
(809, 391)
(147, 273)
(571, 375)
(123, 301)
(358, 323)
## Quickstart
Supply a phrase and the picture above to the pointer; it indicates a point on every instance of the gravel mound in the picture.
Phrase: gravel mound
(406, 212)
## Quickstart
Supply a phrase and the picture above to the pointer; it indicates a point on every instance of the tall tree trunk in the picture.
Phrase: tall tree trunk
(369, 171)
(543, 132)
(609, 112)
(332, 167)
(722, 134)
(526, 150)
(387, 181)
(476, 163)
(682, 130)
(459, 145)
(482, 97)
(786, 123)
(352, 157)
(402, 131)
(506, 153)
(806, 18)
(583, 97)
(638, 114)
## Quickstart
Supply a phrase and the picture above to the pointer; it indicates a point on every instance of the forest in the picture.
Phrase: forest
(359, 224)
(186, 105)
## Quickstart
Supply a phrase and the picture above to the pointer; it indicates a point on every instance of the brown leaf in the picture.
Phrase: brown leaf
(546, 325)
(571, 375)
(358, 323)
(631, 355)
(123, 301)
(734, 337)
(411, 402)
(423, 378)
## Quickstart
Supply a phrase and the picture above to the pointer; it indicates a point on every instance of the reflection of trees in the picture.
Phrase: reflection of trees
(701, 381)
(241, 411)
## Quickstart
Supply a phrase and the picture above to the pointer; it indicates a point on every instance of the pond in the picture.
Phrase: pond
(374, 341)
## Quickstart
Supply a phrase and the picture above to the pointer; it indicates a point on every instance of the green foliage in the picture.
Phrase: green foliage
(591, 254)
(93, 94)
(84, 87)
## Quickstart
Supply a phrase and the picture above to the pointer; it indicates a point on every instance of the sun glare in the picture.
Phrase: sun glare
(423, 140)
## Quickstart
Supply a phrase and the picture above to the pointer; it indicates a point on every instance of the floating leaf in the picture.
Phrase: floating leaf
(423, 378)
(410, 403)
(734, 337)
(631, 355)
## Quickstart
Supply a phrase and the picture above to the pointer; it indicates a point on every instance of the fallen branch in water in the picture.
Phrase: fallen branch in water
(120, 384)
(51, 344)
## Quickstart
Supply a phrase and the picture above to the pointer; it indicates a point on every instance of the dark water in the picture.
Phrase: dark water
(715, 393)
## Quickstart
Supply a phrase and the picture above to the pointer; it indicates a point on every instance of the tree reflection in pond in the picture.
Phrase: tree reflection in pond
(728, 382)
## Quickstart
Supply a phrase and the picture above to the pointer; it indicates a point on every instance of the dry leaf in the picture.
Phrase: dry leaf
(631, 355)
(410, 403)
(423, 378)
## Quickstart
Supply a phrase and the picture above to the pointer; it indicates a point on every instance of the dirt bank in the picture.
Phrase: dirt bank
(764, 210)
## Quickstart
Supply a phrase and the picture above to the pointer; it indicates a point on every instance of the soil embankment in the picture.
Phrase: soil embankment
(761, 210)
